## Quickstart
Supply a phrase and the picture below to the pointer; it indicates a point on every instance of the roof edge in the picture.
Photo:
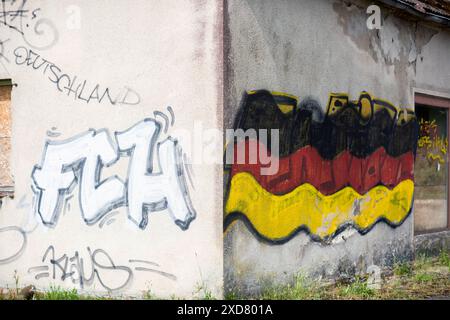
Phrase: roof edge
(405, 6)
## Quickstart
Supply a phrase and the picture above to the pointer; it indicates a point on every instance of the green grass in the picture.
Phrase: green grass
(148, 295)
(444, 259)
(56, 293)
(403, 269)
(358, 289)
(424, 277)
(304, 289)
(232, 296)
(423, 261)
(203, 293)
(300, 289)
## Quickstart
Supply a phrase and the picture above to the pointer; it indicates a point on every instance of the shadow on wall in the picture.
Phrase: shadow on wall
(349, 167)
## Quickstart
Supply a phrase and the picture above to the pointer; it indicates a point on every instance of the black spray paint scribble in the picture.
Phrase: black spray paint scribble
(84, 271)
(37, 32)
(79, 161)
(10, 11)
(71, 85)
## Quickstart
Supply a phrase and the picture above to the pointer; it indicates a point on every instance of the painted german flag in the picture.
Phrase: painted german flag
(350, 166)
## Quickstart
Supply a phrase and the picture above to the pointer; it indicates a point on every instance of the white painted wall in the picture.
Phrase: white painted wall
(169, 53)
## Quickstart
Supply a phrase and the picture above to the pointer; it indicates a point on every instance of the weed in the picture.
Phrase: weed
(205, 293)
(57, 293)
(424, 277)
(403, 269)
(423, 261)
(357, 289)
(444, 258)
(16, 281)
(232, 296)
(300, 289)
(148, 295)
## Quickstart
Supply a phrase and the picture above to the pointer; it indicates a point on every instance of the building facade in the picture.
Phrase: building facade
(113, 119)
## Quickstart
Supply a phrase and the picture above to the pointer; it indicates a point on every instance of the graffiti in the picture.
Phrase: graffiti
(53, 133)
(73, 268)
(91, 151)
(70, 85)
(351, 166)
(306, 208)
(17, 252)
(16, 15)
(108, 219)
(148, 191)
(16, 236)
(2, 50)
(155, 180)
(430, 143)
(329, 176)
(9, 13)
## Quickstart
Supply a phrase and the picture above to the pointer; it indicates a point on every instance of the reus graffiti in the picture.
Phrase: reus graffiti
(79, 161)
(83, 270)
(351, 166)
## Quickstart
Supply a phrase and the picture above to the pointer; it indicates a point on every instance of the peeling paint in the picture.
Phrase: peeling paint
(397, 44)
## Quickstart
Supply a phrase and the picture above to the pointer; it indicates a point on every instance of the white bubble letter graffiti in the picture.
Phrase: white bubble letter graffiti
(80, 159)
(148, 190)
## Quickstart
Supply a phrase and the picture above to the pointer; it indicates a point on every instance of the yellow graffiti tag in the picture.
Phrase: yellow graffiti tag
(367, 105)
(277, 217)
(424, 142)
(431, 156)
(430, 144)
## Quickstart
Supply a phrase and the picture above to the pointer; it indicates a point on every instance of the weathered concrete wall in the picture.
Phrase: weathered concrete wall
(79, 213)
(428, 219)
(432, 71)
(431, 244)
(312, 48)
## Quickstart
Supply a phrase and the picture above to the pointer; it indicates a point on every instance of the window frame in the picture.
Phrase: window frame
(7, 190)
(442, 101)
